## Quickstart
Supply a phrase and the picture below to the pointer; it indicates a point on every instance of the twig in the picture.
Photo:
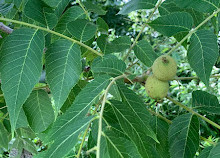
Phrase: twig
(53, 32)
(160, 116)
(132, 64)
(101, 114)
(91, 150)
(193, 112)
(139, 34)
(3, 107)
(83, 7)
(193, 31)
(195, 77)
(210, 142)
(5, 28)
(83, 140)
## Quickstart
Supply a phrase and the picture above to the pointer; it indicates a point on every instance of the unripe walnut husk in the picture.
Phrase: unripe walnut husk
(155, 88)
(164, 68)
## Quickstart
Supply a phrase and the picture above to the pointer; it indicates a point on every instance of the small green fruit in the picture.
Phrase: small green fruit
(164, 68)
(155, 88)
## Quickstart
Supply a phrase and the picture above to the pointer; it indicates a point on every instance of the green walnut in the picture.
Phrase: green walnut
(164, 68)
(155, 88)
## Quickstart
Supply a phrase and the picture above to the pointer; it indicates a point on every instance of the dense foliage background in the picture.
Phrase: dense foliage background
(62, 61)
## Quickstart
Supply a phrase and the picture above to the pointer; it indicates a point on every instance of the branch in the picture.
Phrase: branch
(160, 116)
(193, 31)
(52, 32)
(83, 140)
(191, 78)
(193, 112)
(101, 114)
(5, 28)
(139, 34)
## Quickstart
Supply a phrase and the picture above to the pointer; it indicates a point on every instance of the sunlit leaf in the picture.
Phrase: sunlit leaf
(173, 23)
(136, 5)
(94, 8)
(102, 26)
(203, 53)
(145, 52)
(205, 6)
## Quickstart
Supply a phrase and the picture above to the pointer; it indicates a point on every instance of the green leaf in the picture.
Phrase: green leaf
(206, 6)
(135, 128)
(29, 146)
(63, 69)
(160, 127)
(120, 147)
(35, 6)
(60, 8)
(145, 52)
(108, 64)
(20, 144)
(82, 29)
(72, 95)
(206, 102)
(66, 140)
(203, 53)
(50, 18)
(71, 14)
(198, 17)
(173, 23)
(121, 44)
(102, 26)
(215, 152)
(135, 103)
(16, 148)
(4, 136)
(184, 136)
(21, 65)
(5, 8)
(17, 3)
(136, 5)
(26, 133)
(169, 6)
(104, 44)
(205, 152)
(22, 120)
(94, 8)
(79, 108)
(39, 110)
(53, 3)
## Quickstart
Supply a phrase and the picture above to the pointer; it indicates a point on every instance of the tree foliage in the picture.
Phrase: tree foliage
(72, 75)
